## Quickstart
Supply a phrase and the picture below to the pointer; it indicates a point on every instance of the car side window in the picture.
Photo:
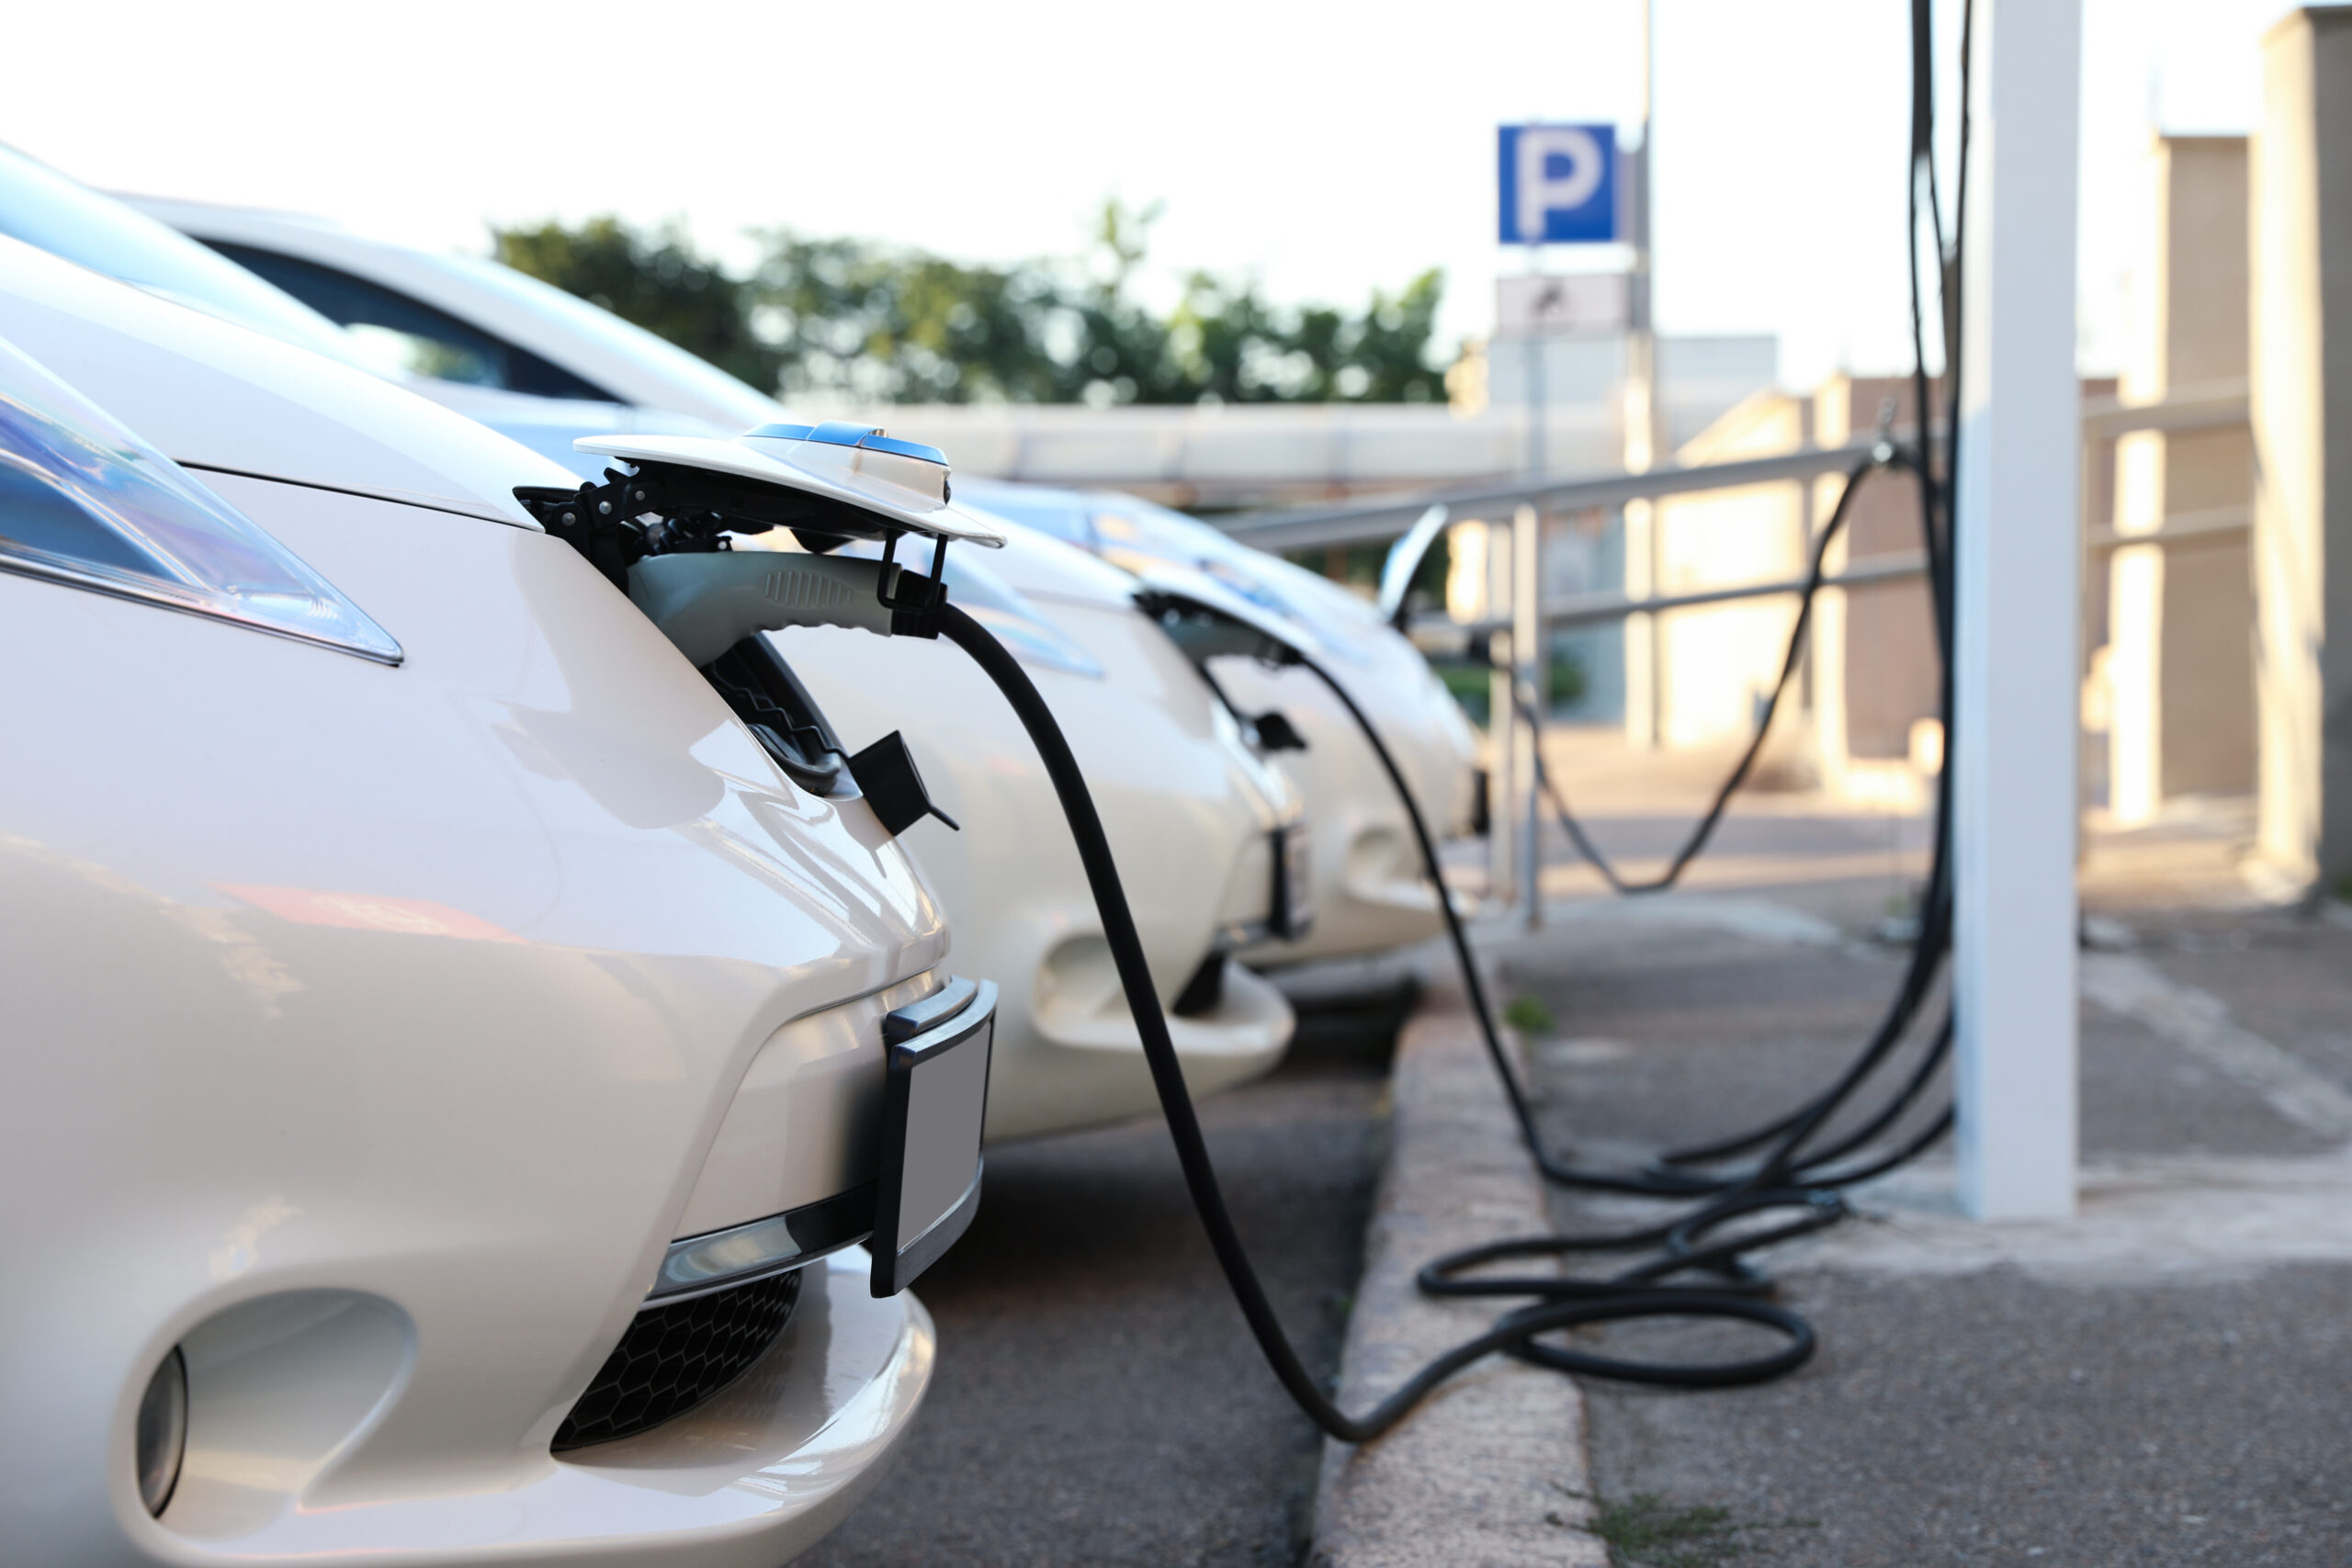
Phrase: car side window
(397, 332)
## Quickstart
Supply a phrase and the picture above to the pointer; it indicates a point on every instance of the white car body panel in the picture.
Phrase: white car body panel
(371, 1027)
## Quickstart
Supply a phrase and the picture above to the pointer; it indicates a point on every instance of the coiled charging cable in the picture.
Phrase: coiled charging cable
(1787, 1181)
(1789, 1193)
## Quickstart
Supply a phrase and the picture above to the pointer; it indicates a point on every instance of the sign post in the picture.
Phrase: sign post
(1555, 184)
(1645, 662)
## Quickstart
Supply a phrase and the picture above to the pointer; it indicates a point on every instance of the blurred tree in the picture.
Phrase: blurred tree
(877, 323)
(881, 324)
(657, 280)
(1392, 345)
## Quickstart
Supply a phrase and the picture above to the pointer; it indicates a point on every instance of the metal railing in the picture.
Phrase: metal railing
(2211, 407)
(1299, 528)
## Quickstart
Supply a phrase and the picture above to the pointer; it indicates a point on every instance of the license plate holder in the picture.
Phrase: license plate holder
(934, 1102)
(1291, 912)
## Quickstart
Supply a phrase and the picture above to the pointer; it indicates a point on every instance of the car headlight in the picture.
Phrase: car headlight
(83, 501)
(161, 1435)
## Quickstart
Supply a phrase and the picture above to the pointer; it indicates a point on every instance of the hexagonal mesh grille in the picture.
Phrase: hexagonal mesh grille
(673, 1357)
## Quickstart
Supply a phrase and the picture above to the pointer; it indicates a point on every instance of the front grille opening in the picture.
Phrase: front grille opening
(674, 1357)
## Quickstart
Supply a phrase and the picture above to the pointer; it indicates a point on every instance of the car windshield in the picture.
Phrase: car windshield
(50, 212)
(1131, 527)
(706, 382)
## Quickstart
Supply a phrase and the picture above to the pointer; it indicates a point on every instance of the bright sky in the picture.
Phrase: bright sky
(1327, 151)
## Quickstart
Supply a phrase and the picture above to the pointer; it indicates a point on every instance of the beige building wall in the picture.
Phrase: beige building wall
(1871, 674)
(2179, 663)
(2300, 192)
(1717, 664)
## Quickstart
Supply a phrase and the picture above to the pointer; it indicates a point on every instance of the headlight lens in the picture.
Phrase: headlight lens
(163, 1432)
(85, 502)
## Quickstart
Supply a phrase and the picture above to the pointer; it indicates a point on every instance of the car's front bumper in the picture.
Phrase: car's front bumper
(1083, 1066)
(751, 1478)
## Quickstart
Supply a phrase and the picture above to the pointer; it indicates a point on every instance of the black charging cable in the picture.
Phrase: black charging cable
(1563, 1303)
(1788, 1181)
(1668, 1173)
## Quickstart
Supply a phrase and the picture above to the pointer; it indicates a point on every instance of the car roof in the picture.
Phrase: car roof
(210, 394)
(632, 365)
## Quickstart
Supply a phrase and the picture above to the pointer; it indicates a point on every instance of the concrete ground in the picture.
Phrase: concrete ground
(2167, 1378)
(1098, 1400)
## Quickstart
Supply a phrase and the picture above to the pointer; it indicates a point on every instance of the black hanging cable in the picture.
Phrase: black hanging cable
(1786, 1195)
(1789, 1180)
(1696, 843)
(1569, 1302)
(1775, 1182)
(1931, 942)
(1662, 1177)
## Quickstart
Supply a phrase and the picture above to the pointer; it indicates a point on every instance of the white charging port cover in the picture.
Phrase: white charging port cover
(903, 486)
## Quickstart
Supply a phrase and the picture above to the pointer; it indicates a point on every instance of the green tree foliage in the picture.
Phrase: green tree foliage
(891, 325)
(888, 323)
(657, 280)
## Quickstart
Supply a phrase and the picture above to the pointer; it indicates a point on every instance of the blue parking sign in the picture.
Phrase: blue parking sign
(1559, 183)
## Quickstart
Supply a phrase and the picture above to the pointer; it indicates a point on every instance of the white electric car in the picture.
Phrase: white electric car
(542, 366)
(448, 1062)
(1209, 830)
(1208, 836)
(1372, 891)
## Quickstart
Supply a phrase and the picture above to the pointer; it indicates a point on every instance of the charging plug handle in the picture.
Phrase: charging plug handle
(708, 604)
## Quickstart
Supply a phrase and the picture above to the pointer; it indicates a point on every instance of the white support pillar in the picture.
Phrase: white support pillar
(2014, 734)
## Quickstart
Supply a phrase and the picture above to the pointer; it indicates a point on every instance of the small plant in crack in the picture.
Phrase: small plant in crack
(1529, 1016)
(1645, 1530)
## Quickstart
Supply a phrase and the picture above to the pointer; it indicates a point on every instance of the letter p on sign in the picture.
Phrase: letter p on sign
(1559, 183)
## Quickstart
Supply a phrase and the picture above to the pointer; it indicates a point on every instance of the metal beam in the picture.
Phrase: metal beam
(2213, 406)
(1593, 609)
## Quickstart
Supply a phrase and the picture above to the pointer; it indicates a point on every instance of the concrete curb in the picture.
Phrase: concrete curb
(1492, 1468)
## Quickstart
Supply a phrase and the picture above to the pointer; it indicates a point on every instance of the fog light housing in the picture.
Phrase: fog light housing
(163, 1432)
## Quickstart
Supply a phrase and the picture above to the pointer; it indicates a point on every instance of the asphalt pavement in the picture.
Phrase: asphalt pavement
(2157, 1399)
(1098, 1400)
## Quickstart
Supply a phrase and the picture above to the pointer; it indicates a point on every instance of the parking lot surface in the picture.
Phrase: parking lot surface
(1098, 1399)
(2113, 1391)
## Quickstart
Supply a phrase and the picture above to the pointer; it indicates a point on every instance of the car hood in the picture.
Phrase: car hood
(214, 395)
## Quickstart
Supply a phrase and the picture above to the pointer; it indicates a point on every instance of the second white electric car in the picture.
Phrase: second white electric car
(1182, 793)
(544, 367)
(1372, 890)
(447, 1060)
